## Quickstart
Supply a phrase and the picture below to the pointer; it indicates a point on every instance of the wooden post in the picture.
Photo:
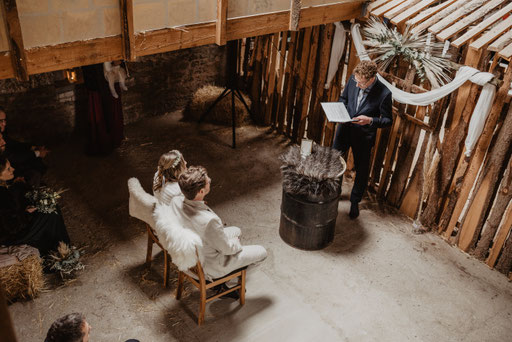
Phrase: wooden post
(484, 189)
(15, 39)
(499, 210)
(479, 152)
(220, 25)
(295, 6)
(127, 29)
(308, 85)
(277, 117)
(273, 53)
(301, 83)
(316, 116)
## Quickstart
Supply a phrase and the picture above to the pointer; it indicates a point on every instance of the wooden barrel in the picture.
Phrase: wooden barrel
(307, 224)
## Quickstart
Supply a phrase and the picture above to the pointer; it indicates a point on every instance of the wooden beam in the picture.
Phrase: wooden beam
(494, 33)
(439, 16)
(127, 35)
(460, 25)
(313, 16)
(295, 6)
(6, 69)
(482, 26)
(74, 54)
(69, 55)
(220, 25)
(383, 9)
(506, 52)
(400, 8)
(376, 4)
(15, 39)
(454, 17)
(500, 43)
(419, 7)
(428, 13)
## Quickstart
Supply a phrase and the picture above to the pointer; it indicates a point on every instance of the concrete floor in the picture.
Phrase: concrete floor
(376, 281)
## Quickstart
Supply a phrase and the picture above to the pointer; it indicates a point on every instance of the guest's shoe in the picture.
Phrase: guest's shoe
(354, 210)
(223, 287)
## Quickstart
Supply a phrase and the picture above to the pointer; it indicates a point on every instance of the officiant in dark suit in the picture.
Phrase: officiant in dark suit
(369, 104)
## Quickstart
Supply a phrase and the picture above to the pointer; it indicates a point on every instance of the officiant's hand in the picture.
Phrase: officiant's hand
(362, 120)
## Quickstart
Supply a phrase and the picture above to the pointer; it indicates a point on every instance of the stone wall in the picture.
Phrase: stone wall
(47, 108)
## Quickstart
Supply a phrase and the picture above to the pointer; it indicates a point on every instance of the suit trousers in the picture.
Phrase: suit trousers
(354, 137)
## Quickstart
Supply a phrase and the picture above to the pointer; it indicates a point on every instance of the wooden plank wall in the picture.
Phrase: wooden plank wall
(418, 165)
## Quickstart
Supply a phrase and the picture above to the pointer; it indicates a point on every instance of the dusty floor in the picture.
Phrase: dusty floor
(376, 282)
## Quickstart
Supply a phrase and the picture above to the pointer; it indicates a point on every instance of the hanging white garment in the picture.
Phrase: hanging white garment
(338, 47)
(479, 116)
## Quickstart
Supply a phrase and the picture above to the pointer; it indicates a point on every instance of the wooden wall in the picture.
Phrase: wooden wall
(418, 164)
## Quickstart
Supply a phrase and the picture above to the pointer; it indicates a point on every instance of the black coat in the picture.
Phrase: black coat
(377, 104)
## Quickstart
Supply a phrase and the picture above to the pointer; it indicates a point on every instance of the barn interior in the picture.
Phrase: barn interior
(379, 278)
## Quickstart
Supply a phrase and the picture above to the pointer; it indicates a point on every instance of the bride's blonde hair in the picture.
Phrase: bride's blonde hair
(170, 166)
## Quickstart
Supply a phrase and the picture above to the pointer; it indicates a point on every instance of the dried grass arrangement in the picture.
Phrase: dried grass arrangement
(220, 114)
(66, 261)
(385, 45)
(316, 177)
(23, 280)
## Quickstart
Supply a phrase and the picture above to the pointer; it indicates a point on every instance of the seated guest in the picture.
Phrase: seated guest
(26, 159)
(221, 249)
(21, 223)
(71, 328)
(165, 182)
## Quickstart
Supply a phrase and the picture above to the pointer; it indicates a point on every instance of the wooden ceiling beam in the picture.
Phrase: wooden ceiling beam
(424, 15)
(383, 9)
(400, 8)
(506, 52)
(500, 43)
(494, 33)
(460, 25)
(376, 4)
(454, 17)
(70, 55)
(6, 70)
(470, 34)
(454, 5)
(220, 25)
(411, 11)
(16, 48)
(126, 9)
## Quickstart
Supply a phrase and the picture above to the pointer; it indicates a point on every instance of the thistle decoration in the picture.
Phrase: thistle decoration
(385, 45)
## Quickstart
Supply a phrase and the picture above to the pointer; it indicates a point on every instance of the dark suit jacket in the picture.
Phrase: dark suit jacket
(377, 104)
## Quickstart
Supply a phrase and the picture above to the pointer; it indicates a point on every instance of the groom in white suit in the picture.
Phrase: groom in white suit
(221, 249)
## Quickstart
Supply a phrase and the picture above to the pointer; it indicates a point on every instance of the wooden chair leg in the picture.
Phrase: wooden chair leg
(241, 281)
(150, 251)
(179, 289)
(202, 305)
(166, 268)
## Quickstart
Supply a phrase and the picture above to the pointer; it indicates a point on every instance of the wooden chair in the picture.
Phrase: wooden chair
(141, 206)
(203, 285)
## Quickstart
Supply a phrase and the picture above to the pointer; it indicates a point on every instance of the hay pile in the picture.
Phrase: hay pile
(22, 280)
(221, 113)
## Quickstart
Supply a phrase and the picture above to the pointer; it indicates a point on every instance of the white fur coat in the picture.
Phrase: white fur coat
(141, 204)
(180, 242)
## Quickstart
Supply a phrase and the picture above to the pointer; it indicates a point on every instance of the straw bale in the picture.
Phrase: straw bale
(22, 280)
(221, 113)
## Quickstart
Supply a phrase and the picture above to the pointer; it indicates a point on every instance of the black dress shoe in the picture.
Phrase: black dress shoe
(223, 287)
(354, 210)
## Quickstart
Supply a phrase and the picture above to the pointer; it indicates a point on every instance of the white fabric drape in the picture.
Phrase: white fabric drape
(465, 73)
(338, 47)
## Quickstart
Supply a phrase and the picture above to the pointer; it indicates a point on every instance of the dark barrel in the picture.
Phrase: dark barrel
(308, 224)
